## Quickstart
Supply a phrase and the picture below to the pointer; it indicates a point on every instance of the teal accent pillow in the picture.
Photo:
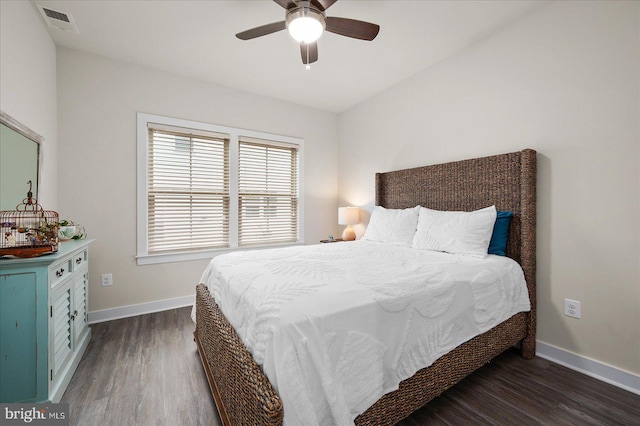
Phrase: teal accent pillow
(498, 243)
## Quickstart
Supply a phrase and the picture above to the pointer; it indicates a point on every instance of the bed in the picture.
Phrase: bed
(244, 395)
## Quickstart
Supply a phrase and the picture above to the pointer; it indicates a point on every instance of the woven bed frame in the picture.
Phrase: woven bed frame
(243, 394)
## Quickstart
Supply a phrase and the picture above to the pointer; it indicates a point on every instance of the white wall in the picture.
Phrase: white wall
(97, 103)
(565, 82)
(28, 85)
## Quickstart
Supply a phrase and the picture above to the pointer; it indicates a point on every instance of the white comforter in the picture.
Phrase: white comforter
(336, 326)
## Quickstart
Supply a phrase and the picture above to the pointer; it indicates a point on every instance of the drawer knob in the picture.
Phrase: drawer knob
(78, 260)
(60, 272)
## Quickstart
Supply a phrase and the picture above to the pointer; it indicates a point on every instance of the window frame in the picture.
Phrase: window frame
(142, 213)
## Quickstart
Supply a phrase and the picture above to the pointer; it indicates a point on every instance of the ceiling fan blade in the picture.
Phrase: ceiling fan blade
(287, 4)
(352, 28)
(309, 52)
(323, 4)
(262, 30)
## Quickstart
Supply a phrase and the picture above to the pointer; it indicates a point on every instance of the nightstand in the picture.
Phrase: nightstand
(337, 240)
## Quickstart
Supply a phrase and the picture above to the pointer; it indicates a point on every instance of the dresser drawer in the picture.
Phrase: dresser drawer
(60, 271)
(79, 258)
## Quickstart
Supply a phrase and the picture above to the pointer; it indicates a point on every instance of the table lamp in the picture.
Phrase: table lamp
(348, 216)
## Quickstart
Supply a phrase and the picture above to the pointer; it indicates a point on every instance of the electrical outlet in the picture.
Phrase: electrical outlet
(107, 280)
(572, 308)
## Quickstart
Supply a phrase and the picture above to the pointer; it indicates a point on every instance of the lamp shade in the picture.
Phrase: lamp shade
(348, 215)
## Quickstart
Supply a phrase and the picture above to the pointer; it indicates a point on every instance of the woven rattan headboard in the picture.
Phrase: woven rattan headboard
(506, 180)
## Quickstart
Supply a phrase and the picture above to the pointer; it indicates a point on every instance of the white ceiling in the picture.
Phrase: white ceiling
(196, 39)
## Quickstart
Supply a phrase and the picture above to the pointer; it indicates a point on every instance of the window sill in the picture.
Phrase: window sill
(153, 259)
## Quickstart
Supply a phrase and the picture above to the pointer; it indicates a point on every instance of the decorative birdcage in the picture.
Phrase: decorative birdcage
(29, 230)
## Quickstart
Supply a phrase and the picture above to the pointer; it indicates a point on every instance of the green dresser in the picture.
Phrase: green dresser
(43, 322)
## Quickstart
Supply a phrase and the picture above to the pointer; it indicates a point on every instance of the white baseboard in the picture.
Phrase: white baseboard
(140, 309)
(596, 369)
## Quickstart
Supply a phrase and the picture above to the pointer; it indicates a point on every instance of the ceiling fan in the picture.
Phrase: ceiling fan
(306, 22)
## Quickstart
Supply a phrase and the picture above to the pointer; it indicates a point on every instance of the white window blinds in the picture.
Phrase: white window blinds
(267, 192)
(188, 190)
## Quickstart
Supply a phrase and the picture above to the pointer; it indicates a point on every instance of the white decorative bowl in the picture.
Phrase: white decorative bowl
(67, 232)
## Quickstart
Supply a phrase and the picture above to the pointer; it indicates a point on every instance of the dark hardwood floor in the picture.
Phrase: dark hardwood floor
(145, 371)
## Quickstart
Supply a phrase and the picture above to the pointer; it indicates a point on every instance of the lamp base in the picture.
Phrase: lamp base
(348, 234)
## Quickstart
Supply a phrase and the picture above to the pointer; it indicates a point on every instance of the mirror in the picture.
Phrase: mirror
(19, 161)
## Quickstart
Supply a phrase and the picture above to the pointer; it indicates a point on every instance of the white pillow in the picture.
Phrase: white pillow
(455, 232)
(393, 226)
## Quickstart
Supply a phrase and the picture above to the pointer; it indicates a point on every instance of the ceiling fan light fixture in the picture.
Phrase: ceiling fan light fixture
(305, 24)
(306, 21)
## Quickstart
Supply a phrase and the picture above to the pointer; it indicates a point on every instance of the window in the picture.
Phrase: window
(267, 193)
(204, 188)
(188, 190)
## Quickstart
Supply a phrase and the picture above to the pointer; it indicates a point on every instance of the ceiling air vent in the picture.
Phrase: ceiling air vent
(57, 19)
